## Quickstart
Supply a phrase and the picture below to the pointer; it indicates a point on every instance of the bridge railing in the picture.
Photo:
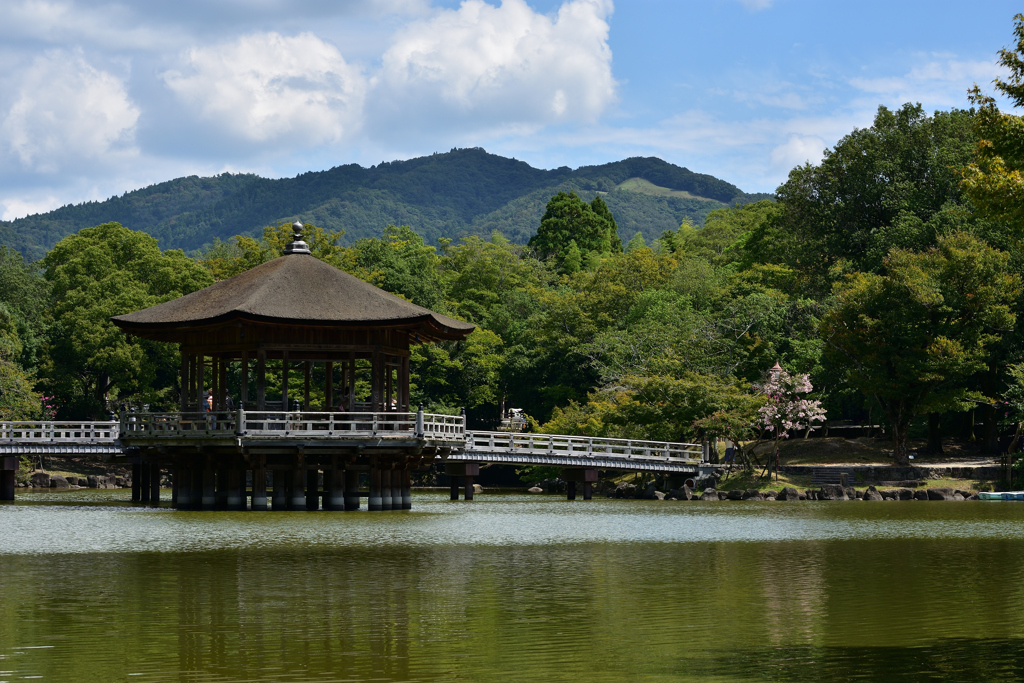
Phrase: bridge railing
(582, 446)
(58, 432)
(294, 425)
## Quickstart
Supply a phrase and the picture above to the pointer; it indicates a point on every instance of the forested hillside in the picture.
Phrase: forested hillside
(455, 194)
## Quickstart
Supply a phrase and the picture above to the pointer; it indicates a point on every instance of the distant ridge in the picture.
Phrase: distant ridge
(454, 194)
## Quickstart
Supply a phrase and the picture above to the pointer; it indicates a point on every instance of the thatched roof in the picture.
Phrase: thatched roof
(295, 289)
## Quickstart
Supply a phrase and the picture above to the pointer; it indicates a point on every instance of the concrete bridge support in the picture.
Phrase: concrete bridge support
(579, 475)
(145, 491)
(406, 489)
(259, 487)
(280, 494)
(8, 473)
(297, 495)
(385, 489)
(351, 490)
(236, 489)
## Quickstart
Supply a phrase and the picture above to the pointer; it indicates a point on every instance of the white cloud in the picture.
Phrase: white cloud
(266, 86)
(64, 109)
(797, 150)
(500, 67)
(18, 207)
(938, 82)
(757, 5)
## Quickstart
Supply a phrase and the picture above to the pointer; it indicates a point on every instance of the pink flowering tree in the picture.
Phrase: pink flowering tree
(787, 408)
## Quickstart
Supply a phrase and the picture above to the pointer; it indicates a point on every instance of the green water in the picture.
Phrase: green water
(512, 588)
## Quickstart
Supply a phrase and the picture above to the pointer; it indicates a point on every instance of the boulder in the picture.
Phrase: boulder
(752, 494)
(649, 492)
(957, 496)
(59, 482)
(119, 481)
(722, 495)
(905, 494)
(736, 494)
(851, 493)
(709, 494)
(40, 480)
(871, 494)
(832, 492)
(92, 481)
(974, 496)
(687, 493)
(920, 495)
(810, 495)
(477, 488)
(532, 489)
(859, 495)
(963, 494)
(788, 493)
(940, 494)
(72, 481)
(658, 495)
(625, 490)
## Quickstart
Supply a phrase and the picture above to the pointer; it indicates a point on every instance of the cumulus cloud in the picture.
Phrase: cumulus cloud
(266, 87)
(65, 110)
(504, 66)
(797, 150)
(940, 82)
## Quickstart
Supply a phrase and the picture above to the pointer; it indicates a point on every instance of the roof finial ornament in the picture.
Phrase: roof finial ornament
(297, 246)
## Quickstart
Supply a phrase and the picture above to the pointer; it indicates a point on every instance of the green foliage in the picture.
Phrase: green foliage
(98, 273)
(571, 230)
(909, 337)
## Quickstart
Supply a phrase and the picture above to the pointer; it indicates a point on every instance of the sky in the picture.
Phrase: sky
(99, 98)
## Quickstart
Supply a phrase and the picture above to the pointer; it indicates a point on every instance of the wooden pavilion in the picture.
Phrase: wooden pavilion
(293, 318)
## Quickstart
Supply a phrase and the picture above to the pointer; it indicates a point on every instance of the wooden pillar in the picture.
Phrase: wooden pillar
(222, 489)
(385, 489)
(175, 482)
(215, 382)
(351, 381)
(570, 490)
(468, 495)
(407, 407)
(406, 488)
(329, 386)
(154, 483)
(454, 487)
(209, 479)
(280, 483)
(193, 382)
(298, 492)
(259, 485)
(185, 365)
(182, 487)
(306, 369)
(143, 485)
(351, 490)
(243, 394)
(335, 490)
(236, 494)
(136, 481)
(374, 502)
(284, 381)
(313, 490)
(223, 383)
(375, 393)
(588, 490)
(389, 369)
(7, 481)
(261, 380)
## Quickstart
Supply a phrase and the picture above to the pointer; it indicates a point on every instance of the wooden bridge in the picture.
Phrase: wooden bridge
(443, 438)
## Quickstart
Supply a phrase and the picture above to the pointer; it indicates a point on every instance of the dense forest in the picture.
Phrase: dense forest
(885, 282)
(456, 194)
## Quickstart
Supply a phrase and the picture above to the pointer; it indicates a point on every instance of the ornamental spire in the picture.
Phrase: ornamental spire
(297, 246)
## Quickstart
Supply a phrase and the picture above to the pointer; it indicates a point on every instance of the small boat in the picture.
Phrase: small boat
(1004, 495)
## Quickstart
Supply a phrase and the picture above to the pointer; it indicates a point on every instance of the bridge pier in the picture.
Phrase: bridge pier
(236, 489)
(351, 490)
(144, 487)
(222, 488)
(385, 489)
(8, 474)
(406, 488)
(467, 471)
(209, 478)
(313, 490)
(584, 475)
(153, 483)
(136, 481)
(259, 487)
(374, 502)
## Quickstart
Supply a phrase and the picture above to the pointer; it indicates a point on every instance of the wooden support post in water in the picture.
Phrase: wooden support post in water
(8, 475)
(385, 489)
(154, 483)
(336, 490)
(175, 480)
(222, 489)
(374, 502)
(570, 490)
(183, 488)
(468, 495)
(454, 487)
(209, 476)
(588, 490)
(280, 483)
(136, 481)
(351, 490)
(236, 495)
(312, 490)
(144, 490)
(197, 470)
(259, 485)
(406, 488)
(298, 492)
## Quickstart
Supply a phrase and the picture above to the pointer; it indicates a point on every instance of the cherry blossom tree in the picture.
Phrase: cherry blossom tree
(787, 408)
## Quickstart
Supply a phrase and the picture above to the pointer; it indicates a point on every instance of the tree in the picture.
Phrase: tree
(570, 222)
(995, 179)
(910, 336)
(101, 272)
(787, 408)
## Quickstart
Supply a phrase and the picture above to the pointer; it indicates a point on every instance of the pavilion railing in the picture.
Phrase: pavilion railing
(294, 425)
(59, 432)
(581, 446)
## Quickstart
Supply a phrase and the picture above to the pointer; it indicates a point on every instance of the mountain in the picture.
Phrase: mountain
(462, 192)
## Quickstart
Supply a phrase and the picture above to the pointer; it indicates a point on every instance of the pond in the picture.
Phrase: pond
(512, 588)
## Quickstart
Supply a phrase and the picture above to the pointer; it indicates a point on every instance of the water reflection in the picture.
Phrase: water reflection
(501, 590)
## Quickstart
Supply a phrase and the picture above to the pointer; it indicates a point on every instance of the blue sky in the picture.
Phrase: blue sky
(98, 98)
